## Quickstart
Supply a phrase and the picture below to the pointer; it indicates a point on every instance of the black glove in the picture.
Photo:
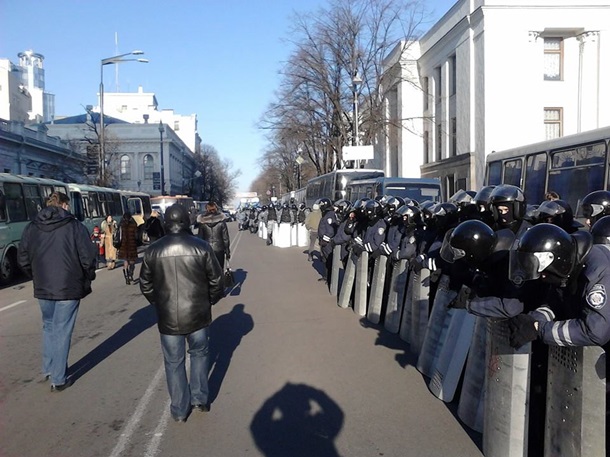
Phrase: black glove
(462, 298)
(357, 249)
(481, 284)
(522, 330)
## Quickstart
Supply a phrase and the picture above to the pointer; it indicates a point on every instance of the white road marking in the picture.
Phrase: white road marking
(12, 305)
(136, 417)
(153, 446)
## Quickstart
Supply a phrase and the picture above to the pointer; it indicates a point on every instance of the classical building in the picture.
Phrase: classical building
(492, 75)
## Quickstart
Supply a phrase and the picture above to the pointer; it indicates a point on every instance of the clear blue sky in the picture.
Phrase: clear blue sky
(217, 59)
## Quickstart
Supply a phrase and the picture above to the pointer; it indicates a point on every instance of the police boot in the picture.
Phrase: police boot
(126, 276)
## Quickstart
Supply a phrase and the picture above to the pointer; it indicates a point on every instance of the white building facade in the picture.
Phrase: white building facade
(497, 74)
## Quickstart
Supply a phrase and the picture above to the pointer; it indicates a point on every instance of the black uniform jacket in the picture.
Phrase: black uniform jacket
(181, 276)
(213, 229)
(56, 251)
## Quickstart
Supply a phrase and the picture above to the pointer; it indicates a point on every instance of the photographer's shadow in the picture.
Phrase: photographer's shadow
(226, 333)
(297, 421)
(239, 276)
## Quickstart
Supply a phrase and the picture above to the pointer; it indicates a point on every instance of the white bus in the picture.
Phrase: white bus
(573, 166)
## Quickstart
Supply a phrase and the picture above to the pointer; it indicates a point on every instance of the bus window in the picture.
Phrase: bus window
(134, 206)
(94, 204)
(33, 200)
(14, 202)
(535, 177)
(494, 177)
(77, 206)
(512, 172)
(369, 192)
(2, 207)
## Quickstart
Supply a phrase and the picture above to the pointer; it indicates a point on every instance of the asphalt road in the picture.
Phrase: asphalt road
(292, 374)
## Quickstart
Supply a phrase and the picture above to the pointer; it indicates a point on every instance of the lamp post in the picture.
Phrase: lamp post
(356, 81)
(161, 130)
(108, 61)
(299, 160)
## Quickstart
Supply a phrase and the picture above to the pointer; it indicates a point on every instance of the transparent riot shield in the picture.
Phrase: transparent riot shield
(347, 285)
(361, 284)
(396, 296)
(576, 402)
(420, 311)
(438, 326)
(377, 286)
(336, 268)
(507, 391)
(471, 405)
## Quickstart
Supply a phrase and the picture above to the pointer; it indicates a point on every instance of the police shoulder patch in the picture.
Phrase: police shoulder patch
(380, 230)
(596, 298)
(412, 240)
(329, 220)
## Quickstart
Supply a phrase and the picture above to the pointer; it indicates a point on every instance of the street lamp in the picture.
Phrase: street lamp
(108, 61)
(161, 130)
(356, 81)
(299, 160)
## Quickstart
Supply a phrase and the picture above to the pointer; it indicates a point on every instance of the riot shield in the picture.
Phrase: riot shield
(377, 286)
(361, 284)
(420, 311)
(396, 296)
(334, 274)
(347, 285)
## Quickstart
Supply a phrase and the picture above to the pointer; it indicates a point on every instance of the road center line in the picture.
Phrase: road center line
(12, 305)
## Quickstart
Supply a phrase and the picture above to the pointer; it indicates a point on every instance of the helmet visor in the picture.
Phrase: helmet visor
(450, 254)
(526, 266)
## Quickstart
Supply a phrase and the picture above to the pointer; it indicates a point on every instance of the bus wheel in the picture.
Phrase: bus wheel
(8, 267)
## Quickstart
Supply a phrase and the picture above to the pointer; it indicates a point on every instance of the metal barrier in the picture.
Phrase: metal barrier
(506, 397)
(396, 296)
(576, 402)
(377, 289)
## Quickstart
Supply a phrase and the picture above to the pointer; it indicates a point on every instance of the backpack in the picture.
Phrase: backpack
(116, 238)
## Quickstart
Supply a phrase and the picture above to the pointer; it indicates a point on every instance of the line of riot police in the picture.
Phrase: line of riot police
(505, 300)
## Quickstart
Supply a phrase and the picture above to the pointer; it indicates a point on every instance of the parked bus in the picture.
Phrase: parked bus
(21, 197)
(333, 185)
(573, 166)
(419, 189)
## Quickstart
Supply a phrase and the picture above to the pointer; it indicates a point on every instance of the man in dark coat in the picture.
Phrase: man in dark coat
(213, 229)
(181, 276)
(55, 250)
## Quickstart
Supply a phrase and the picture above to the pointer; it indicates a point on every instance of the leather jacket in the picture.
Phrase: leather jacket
(181, 276)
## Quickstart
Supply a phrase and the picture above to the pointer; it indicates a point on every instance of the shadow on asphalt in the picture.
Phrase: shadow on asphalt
(405, 358)
(240, 278)
(139, 322)
(226, 333)
(297, 421)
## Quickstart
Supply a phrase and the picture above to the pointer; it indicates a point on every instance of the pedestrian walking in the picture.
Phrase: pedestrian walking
(153, 227)
(128, 247)
(181, 275)
(96, 239)
(109, 227)
(55, 250)
(312, 221)
(213, 229)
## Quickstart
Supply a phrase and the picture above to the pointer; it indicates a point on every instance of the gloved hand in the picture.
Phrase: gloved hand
(357, 249)
(228, 256)
(481, 284)
(522, 330)
(462, 298)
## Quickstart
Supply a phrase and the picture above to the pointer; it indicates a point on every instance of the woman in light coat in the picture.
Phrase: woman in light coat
(109, 226)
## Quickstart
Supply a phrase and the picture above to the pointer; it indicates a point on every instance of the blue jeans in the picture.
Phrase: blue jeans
(58, 319)
(182, 394)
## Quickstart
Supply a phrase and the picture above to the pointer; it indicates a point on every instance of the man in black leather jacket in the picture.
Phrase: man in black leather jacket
(181, 276)
(213, 229)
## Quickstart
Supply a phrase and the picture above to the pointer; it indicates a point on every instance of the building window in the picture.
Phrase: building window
(176, 126)
(125, 168)
(439, 143)
(438, 84)
(426, 88)
(149, 167)
(453, 80)
(426, 145)
(553, 123)
(453, 136)
(553, 59)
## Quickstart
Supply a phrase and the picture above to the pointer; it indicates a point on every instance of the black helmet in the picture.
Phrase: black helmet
(472, 241)
(342, 208)
(324, 204)
(462, 198)
(596, 205)
(393, 204)
(301, 206)
(601, 231)
(177, 216)
(445, 214)
(546, 251)
(511, 197)
(372, 210)
(411, 215)
(557, 212)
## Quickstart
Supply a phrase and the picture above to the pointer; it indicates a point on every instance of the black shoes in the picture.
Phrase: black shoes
(202, 408)
(61, 387)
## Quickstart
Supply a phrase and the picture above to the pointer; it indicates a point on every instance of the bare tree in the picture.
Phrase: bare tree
(314, 105)
(219, 178)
